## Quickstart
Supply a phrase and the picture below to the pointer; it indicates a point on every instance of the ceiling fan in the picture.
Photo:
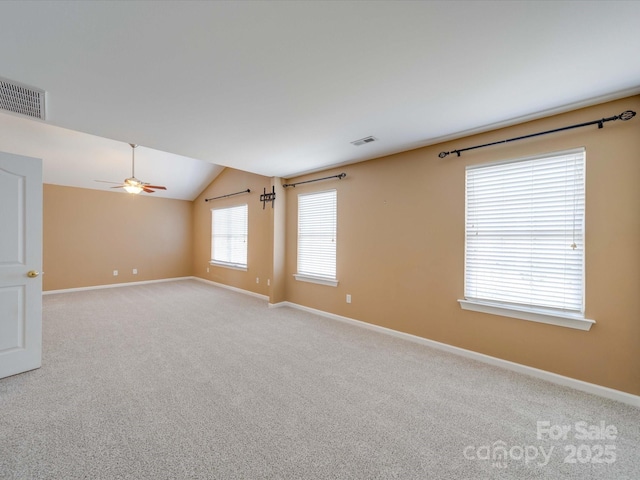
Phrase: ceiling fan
(132, 184)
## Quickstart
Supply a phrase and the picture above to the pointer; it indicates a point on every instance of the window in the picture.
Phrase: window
(317, 220)
(524, 239)
(229, 236)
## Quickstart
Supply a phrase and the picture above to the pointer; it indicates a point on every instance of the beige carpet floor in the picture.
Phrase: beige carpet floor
(184, 380)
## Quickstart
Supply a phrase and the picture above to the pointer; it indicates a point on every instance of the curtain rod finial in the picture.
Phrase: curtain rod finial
(627, 115)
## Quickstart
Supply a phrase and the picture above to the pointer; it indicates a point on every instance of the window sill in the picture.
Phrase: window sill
(531, 314)
(232, 266)
(319, 280)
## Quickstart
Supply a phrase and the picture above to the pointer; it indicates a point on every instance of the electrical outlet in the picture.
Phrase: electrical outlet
(348, 298)
(207, 269)
(135, 271)
(268, 282)
(257, 280)
(115, 273)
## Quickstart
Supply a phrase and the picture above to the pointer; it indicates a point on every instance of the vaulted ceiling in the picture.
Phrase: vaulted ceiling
(280, 88)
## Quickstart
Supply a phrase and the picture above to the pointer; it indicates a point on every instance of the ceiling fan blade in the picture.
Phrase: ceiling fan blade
(104, 181)
(157, 187)
(119, 186)
(148, 190)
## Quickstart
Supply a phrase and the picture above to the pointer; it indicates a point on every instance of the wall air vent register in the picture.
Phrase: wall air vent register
(22, 99)
(362, 141)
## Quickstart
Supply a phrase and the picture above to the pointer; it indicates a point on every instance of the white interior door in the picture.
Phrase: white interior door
(20, 264)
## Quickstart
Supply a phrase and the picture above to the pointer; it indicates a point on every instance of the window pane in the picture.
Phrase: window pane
(229, 235)
(317, 220)
(525, 232)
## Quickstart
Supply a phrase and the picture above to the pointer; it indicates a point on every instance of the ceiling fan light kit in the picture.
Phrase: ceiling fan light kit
(132, 184)
(135, 189)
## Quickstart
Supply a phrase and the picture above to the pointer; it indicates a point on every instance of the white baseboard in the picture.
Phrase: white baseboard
(114, 285)
(130, 284)
(587, 387)
(235, 289)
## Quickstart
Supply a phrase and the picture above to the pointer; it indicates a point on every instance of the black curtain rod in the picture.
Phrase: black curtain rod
(228, 195)
(341, 176)
(627, 115)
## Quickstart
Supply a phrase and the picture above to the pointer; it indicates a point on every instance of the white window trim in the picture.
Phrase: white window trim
(220, 263)
(307, 277)
(319, 280)
(558, 317)
(561, 319)
(233, 266)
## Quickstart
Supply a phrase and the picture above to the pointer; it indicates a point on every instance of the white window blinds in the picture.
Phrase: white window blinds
(317, 220)
(229, 235)
(525, 232)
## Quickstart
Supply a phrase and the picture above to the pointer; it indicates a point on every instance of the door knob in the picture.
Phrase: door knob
(33, 274)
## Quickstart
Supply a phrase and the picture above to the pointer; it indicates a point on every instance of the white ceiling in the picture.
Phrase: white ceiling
(282, 88)
(78, 159)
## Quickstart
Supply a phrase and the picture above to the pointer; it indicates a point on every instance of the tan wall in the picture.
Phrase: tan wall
(90, 233)
(401, 249)
(277, 291)
(260, 244)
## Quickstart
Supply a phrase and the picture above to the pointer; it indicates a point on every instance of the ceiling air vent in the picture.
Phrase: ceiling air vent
(364, 140)
(21, 99)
